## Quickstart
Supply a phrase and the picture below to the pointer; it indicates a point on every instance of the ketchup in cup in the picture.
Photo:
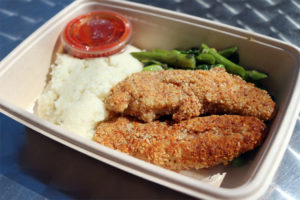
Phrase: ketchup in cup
(96, 34)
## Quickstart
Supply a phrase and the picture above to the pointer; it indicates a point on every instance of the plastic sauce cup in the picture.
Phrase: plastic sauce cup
(96, 34)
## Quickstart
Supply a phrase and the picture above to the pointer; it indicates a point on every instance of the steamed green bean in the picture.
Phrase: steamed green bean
(152, 68)
(172, 58)
(230, 66)
(204, 58)
(228, 52)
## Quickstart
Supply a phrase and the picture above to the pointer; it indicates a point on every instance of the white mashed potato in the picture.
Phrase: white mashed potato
(74, 97)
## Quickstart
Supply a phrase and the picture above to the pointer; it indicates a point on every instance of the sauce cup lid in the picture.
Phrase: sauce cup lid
(96, 34)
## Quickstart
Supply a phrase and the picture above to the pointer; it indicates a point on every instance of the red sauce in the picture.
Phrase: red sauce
(95, 34)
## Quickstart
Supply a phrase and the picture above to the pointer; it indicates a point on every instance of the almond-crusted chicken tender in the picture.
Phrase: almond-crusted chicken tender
(197, 143)
(188, 93)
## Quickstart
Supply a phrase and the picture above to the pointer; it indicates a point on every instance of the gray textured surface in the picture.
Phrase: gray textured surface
(276, 18)
(26, 174)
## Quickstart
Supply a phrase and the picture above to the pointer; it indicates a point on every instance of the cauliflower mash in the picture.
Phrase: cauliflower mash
(74, 97)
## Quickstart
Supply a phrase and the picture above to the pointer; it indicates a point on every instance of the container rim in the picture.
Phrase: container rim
(146, 170)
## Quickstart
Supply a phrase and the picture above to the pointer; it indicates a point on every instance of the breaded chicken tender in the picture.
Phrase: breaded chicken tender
(184, 94)
(197, 143)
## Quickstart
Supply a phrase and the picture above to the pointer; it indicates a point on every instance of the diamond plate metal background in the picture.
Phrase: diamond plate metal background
(57, 172)
(276, 18)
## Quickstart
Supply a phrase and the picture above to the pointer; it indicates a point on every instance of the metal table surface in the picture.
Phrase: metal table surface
(35, 167)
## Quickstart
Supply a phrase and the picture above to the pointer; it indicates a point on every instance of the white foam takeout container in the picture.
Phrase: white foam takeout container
(23, 75)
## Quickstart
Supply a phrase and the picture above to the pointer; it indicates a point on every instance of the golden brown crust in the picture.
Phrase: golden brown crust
(185, 94)
(192, 144)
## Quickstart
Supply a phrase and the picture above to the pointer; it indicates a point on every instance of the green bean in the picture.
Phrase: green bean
(203, 67)
(154, 62)
(150, 62)
(152, 68)
(230, 66)
(175, 51)
(253, 75)
(187, 59)
(218, 65)
(228, 52)
(206, 58)
(238, 161)
(208, 67)
(169, 57)
(194, 51)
